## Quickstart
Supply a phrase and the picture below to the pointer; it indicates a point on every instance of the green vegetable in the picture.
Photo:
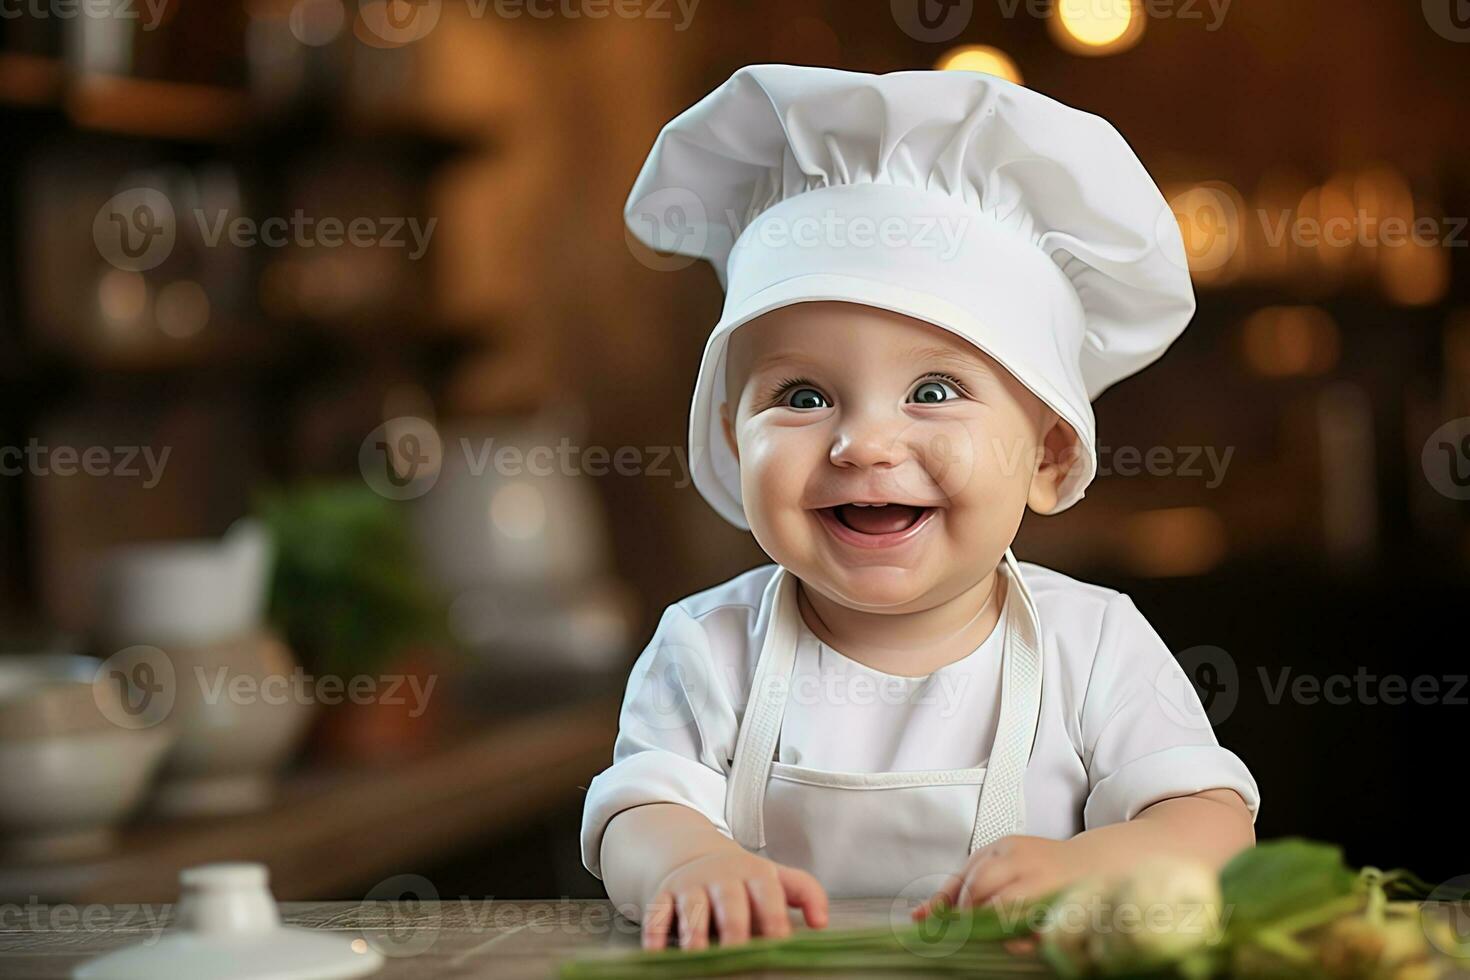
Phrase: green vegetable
(348, 592)
(957, 942)
(1288, 909)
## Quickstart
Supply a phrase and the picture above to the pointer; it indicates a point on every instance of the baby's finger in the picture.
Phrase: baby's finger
(804, 892)
(732, 911)
(693, 907)
(1018, 889)
(984, 880)
(945, 897)
(657, 919)
(768, 908)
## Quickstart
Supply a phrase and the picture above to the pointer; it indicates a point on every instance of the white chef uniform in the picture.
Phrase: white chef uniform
(873, 791)
(1062, 262)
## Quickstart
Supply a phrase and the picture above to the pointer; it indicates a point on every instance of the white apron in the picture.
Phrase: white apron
(875, 834)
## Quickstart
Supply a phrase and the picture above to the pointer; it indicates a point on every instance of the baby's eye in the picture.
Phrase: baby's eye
(933, 392)
(804, 397)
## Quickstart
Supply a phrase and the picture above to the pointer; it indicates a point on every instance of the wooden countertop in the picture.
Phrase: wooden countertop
(464, 938)
(469, 939)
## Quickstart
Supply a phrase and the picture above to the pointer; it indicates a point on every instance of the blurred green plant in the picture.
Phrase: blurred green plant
(348, 591)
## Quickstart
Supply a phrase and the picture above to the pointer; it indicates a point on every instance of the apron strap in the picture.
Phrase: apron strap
(1002, 808)
(745, 795)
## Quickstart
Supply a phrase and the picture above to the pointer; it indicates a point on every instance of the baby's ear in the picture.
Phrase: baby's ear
(729, 427)
(1056, 456)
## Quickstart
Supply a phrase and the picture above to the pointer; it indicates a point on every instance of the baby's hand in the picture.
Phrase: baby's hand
(749, 895)
(1012, 868)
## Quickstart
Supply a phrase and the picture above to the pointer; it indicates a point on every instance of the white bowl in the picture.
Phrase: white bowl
(68, 774)
(62, 795)
(185, 592)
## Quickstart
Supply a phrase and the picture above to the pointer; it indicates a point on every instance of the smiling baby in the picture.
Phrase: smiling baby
(897, 706)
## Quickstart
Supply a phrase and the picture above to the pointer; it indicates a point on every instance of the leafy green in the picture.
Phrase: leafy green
(1278, 899)
(347, 591)
(1278, 879)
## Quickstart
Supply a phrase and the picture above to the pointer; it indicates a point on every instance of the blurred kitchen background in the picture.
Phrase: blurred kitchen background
(237, 449)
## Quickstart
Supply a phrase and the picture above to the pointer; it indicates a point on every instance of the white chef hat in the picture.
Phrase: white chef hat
(1027, 227)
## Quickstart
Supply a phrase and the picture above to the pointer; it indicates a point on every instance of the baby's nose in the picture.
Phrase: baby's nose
(869, 440)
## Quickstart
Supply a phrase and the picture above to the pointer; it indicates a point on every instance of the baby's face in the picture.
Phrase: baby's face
(885, 461)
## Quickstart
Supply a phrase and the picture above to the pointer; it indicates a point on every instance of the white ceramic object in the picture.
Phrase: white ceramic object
(227, 928)
(62, 795)
(68, 774)
(241, 709)
(512, 510)
(185, 592)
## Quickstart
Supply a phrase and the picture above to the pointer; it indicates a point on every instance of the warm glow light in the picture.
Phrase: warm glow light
(1290, 341)
(518, 511)
(182, 308)
(1095, 27)
(982, 58)
(1414, 257)
(122, 298)
(1175, 541)
(1209, 219)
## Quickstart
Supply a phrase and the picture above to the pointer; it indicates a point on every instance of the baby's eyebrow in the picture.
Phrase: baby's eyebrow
(782, 356)
(949, 356)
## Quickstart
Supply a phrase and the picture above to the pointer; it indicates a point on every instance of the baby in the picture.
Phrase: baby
(928, 278)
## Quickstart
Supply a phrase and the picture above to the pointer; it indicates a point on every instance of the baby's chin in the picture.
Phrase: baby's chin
(871, 588)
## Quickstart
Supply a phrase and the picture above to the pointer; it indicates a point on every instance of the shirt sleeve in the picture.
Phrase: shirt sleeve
(676, 735)
(1146, 737)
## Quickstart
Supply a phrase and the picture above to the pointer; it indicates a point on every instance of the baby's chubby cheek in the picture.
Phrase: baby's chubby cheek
(775, 466)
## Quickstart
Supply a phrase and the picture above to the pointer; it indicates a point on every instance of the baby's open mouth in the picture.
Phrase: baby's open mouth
(877, 518)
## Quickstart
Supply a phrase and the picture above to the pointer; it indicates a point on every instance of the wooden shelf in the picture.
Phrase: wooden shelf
(164, 110)
(189, 113)
(330, 831)
(30, 80)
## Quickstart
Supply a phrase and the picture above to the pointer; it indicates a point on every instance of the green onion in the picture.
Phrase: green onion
(1295, 910)
(967, 942)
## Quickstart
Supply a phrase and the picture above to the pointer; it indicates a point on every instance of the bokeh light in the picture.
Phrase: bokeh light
(1096, 27)
(982, 58)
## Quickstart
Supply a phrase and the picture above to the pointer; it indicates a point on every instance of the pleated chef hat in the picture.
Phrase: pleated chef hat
(1024, 226)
